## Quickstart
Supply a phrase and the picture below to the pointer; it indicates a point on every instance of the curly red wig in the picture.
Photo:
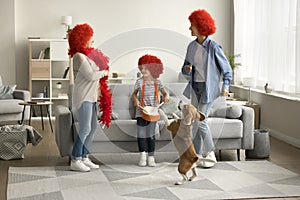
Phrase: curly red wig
(78, 38)
(203, 21)
(152, 63)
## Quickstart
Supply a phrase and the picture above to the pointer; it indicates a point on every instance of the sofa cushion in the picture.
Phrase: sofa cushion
(122, 102)
(171, 107)
(6, 91)
(176, 90)
(8, 106)
(218, 108)
(225, 128)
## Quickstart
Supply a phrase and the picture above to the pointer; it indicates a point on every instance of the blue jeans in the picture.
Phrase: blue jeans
(203, 141)
(87, 119)
(146, 135)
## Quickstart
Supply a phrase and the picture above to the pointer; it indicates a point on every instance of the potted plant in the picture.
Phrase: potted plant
(232, 63)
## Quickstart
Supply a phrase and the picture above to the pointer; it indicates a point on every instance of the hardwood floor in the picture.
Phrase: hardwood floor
(46, 154)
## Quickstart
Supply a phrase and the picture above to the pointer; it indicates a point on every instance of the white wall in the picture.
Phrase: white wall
(7, 41)
(114, 19)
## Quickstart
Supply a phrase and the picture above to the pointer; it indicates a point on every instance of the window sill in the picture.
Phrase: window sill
(291, 97)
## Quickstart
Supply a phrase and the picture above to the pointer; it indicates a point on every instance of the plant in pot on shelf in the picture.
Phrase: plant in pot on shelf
(232, 63)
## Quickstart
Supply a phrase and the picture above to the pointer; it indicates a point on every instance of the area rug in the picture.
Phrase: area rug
(227, 180)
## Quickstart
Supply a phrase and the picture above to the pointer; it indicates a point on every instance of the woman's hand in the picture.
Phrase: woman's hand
(189, 68)
(105, 72)
(225, 93)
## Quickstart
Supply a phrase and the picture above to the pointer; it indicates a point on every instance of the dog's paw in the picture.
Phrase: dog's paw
(180, 182)
(175, 116)
(192, 178)
(164, 117)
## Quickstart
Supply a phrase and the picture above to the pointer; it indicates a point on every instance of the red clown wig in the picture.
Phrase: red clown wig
(203, 21)
(152, 63)
(78, 38)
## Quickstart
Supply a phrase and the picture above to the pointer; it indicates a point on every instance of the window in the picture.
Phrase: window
(267, 37)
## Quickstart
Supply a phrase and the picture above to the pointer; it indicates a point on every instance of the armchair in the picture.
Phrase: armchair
(10, 110)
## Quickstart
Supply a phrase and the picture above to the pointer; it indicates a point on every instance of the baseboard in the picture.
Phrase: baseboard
(283, 137)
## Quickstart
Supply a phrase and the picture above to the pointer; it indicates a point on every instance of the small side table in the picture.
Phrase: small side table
(40, 104)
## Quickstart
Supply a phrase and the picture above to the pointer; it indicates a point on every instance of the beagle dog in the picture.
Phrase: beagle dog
(181, 130)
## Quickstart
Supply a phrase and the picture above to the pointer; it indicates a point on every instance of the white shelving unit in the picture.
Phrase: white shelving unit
(48, 69)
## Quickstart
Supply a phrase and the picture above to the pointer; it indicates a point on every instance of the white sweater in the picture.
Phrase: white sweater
(86, 80)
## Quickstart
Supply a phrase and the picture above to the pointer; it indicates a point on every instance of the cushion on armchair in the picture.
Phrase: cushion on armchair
(6, 91)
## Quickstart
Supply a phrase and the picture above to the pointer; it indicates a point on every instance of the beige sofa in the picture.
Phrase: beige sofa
(229, 132)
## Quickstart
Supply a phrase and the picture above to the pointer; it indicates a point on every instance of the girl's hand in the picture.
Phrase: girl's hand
(166, 99)
(137, 103)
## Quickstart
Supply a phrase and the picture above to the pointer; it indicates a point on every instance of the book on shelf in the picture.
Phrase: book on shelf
(42, 54)
(66, 72)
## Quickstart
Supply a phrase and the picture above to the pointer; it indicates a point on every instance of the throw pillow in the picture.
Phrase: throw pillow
(6, 91)
(233, 111)
(171, 107)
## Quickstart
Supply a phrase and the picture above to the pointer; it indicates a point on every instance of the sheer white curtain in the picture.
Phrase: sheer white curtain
(267, 37)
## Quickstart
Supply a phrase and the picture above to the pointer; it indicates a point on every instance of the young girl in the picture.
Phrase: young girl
(146, 94)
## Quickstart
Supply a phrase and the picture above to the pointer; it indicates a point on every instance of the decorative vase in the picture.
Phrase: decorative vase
(58, 85)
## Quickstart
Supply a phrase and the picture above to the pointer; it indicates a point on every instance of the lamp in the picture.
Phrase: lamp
(66, 20)
(249, 82)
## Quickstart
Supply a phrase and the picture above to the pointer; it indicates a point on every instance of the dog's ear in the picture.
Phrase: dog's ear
(187, 120)
(200, 116)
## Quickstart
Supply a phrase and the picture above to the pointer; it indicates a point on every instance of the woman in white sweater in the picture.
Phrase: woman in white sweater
(85, 94)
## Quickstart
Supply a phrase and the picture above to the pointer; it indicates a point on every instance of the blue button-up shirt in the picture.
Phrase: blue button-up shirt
(215, 64)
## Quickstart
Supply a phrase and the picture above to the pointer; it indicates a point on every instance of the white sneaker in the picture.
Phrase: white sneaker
(210, 160)
(89, 163)
(151, 161)
(143, 159)
(77, 165)
(200, 161)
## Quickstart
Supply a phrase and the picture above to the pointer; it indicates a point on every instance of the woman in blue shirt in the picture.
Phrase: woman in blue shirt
(206, 65)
